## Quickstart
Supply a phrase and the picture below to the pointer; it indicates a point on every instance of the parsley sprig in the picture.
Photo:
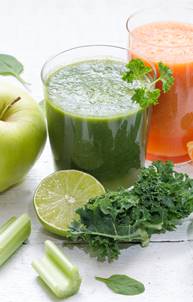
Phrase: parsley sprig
(147, 95)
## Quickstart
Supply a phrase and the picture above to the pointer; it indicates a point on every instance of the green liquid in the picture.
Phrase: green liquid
(93, 124)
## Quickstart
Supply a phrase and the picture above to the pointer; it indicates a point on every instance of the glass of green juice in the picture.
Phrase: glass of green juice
(93, 124)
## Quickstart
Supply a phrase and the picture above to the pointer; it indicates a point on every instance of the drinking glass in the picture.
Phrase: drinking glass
(171, 126)
(111, 147)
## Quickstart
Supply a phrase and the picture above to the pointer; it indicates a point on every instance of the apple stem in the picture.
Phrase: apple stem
(9, 106)
(15, 101)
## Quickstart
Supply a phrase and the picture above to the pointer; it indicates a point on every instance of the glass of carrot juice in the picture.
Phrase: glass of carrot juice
(166, 34)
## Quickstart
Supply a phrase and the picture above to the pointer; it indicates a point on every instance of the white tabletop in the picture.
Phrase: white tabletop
(33, 30)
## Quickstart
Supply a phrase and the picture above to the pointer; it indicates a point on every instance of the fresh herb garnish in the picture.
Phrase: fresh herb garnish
(145, 97)
(10, 66)
(123, 285)
(136, 70)
(155, 204)
(166, 77)
(146, 94)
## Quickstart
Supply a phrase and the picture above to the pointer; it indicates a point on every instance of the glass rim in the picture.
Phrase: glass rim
(146, 9)
(51, 58)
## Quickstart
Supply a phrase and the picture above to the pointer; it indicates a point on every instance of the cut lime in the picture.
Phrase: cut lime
(60, 194)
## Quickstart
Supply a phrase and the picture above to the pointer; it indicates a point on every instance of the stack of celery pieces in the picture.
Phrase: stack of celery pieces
(61, 276)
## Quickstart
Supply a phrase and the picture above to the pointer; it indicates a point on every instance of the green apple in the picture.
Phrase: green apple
(22, 134)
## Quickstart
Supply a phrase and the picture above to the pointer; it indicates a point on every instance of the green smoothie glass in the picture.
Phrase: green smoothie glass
(93, 124)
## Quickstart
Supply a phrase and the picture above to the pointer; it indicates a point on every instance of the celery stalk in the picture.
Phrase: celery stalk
(59, 274)
(12, 234)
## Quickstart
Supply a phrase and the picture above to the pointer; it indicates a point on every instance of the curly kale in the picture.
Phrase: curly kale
(155, 204)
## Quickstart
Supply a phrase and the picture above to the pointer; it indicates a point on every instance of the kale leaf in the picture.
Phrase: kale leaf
(155, 204)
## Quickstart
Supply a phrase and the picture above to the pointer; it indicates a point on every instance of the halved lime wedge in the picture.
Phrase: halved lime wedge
(60, 194)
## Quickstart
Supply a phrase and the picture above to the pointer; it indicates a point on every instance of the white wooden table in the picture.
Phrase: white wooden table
(32, 31)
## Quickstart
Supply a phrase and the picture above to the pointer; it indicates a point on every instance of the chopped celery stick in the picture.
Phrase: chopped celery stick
(12, 234)
(61, 276)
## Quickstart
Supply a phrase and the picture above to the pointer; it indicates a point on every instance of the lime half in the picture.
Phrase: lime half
(60, 194)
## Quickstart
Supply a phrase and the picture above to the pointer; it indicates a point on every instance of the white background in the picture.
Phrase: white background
(33, 31)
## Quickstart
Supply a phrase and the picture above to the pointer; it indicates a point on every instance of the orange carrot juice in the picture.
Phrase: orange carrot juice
(171, 125)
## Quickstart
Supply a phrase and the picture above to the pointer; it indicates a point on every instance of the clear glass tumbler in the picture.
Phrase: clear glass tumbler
(109, 145)
(165, 34)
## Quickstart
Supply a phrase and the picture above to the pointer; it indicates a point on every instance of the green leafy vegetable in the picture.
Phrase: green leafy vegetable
(137, 70)
(10, 66)
(146, 95)
(166, 77)
(122, 284)
(156, 203)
